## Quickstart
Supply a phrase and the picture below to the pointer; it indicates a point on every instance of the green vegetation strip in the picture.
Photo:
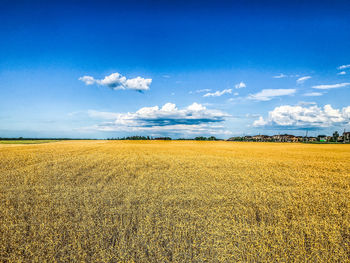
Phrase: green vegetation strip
(26, 141)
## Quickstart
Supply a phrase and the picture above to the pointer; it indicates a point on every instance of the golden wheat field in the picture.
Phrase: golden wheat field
(175, 201)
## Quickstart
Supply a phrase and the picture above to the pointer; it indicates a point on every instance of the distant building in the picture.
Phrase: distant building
(285, 138)
(300, 138)
(262, 138)
(248, 138)
(291, 138)
(346, 137)
(322, 138)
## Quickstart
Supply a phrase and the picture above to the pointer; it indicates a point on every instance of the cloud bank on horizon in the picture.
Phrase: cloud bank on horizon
(168, 119)
(305, 117)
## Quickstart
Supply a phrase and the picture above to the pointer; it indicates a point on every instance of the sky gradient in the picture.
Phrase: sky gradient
(100, 69)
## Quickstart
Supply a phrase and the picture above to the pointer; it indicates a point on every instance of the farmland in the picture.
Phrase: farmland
(174, 201)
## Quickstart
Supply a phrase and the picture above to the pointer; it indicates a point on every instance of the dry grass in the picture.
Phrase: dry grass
(105, 201)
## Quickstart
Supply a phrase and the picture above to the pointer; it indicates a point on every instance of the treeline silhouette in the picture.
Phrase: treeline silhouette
(34, 139)
(211, 138)
(140, 138)
(199, 138)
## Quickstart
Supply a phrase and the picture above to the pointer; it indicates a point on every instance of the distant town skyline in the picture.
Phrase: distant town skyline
(102, 69)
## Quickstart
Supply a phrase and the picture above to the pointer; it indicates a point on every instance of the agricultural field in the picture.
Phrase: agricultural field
(174, 201)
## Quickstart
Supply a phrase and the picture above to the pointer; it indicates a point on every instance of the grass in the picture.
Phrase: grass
(183, 201)
(26, 141)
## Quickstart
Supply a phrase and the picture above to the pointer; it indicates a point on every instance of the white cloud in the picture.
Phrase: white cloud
(346, 112)
(332, 86)
(303, 79)
(218, 93)
(341, 73)
(280, 76)
(138, 84)
(268, 94)
(240, 85)
(260, 122)
(344, 66)
(116, 81)
(299, 116)
(313, 94)
(88, 80)
(194, 119)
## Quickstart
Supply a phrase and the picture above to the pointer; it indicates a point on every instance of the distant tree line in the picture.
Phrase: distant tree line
(33, 139)
(335, 138)
(135, 137)
(140, 138)
(201, 138)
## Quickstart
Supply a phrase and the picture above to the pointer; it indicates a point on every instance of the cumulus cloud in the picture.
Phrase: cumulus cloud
(299, 116)
(344, 67)
(280, 76)
(116, 81)
(313, 94)
(260, 122)
(218, 93)
(194, 119)
(341, 73)
(88, 80)
(240, 85)
(268, 94)
(303, 79)
(332, 86)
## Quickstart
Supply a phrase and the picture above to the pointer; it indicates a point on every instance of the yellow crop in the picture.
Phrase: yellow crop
(177, 201)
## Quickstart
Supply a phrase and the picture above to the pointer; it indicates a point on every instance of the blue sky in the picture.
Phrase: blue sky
(99, 69)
